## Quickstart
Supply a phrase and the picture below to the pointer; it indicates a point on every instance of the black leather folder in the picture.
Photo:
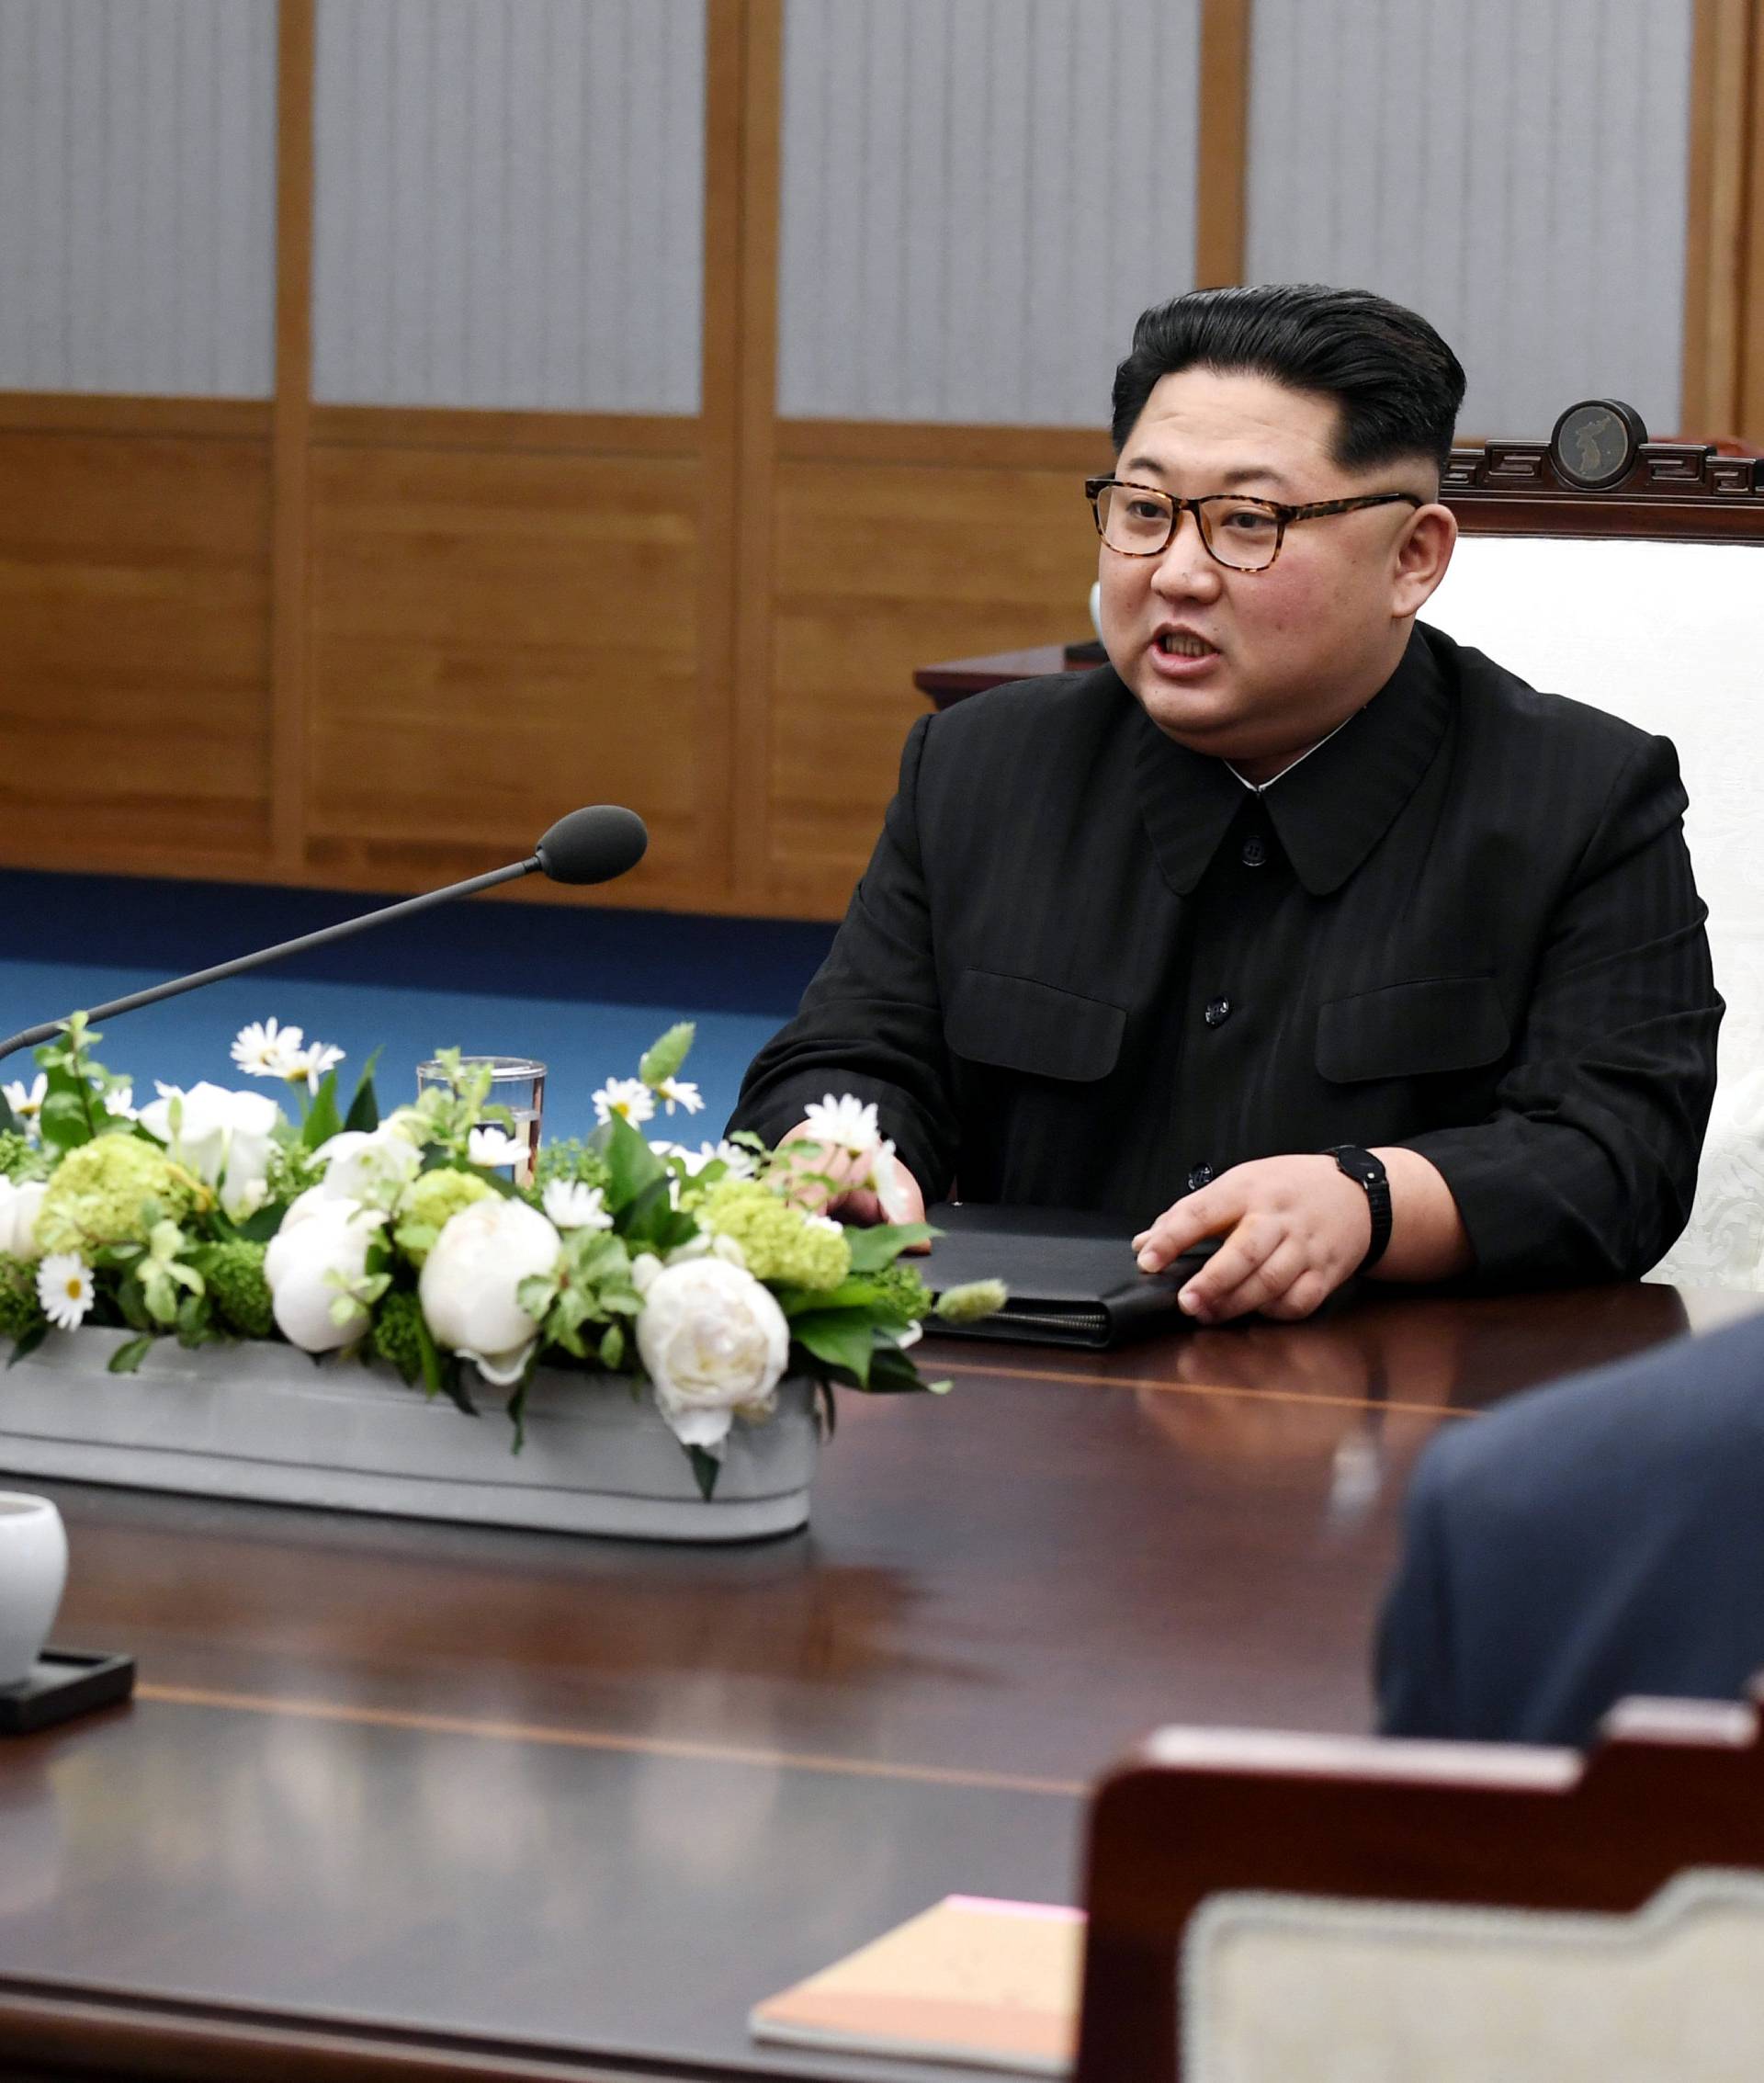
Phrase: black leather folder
(1071, 1274)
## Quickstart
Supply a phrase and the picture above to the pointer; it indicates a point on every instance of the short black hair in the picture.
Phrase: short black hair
(1398, 384)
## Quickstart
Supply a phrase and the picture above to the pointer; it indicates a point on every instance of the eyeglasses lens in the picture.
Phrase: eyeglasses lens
(1139, 522)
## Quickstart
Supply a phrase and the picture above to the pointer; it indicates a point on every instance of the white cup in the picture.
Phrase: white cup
(33, 1572)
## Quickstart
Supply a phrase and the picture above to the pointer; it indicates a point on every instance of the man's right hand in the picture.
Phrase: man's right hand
(842, 1198)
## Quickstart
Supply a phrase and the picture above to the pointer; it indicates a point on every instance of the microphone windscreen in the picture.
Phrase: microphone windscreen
(594, 844)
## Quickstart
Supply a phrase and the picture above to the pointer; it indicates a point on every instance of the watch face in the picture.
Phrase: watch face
(1595, 443)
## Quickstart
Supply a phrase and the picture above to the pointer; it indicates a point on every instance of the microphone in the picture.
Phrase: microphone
(595, 844)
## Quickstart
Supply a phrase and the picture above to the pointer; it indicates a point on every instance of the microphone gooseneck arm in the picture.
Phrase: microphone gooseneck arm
(241, 963)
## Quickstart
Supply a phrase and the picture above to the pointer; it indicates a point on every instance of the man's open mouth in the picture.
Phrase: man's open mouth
(1176, 643)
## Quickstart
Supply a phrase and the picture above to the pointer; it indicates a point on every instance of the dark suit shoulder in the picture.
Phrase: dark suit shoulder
(1062, 705)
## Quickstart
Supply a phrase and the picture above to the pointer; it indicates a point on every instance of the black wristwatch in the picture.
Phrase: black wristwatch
(1368, 1172)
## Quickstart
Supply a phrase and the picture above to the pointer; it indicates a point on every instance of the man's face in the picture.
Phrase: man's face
(1257, 666)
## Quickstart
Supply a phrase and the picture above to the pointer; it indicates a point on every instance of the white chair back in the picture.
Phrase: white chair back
(1670, 636)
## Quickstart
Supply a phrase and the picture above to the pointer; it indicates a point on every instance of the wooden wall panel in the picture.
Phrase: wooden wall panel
(134, 691)
(496, 638)
(880, 568)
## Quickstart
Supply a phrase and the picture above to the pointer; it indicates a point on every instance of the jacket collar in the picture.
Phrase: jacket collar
(1329, 811)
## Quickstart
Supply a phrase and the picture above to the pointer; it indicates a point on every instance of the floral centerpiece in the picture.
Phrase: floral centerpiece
(706, 1276)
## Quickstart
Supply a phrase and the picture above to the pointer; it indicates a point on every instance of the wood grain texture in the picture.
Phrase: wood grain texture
(1221, 152)
(1716, 256)
(496, 638)
(880, 567)
(134, 698)
(755, 452)
(289, 634)
(493, 1796)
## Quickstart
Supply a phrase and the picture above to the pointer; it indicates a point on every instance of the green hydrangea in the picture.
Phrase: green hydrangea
(434, 1198)
(903, 1289)
(19, 1310)
(396, 1338)
(778, 1243)
(570, 1161)
(21, 1160)
(238, 1290)
(95, 1194)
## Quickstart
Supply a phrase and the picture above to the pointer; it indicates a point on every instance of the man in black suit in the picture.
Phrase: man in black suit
(1584, 1541)
(1297, 924)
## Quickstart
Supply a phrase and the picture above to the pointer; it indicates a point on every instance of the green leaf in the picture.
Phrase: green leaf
(877, 1247)
(260, 1228)
(126, 1358)
(24, 1347)
(706, 1468)
(323, 1120)
(6, 1120)
(663, 1059)
(612, 1348)
(63, 1121)
(364, 1109)
(848, 1294)
(843, 1338)
(892, 1373)
(646, 1219)
(631, 1165)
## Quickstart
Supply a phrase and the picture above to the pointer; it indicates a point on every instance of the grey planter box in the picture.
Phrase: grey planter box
(264, 1421)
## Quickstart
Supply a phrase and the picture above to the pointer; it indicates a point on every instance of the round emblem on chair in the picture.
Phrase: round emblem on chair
(1594, 443)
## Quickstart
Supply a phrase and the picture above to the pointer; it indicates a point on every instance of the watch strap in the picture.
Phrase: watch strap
(1368, 1173)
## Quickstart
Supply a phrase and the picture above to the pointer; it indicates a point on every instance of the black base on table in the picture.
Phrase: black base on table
(64, 1683)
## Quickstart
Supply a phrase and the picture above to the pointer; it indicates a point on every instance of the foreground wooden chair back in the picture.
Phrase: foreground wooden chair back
(1265, 1908)
(1630, 574)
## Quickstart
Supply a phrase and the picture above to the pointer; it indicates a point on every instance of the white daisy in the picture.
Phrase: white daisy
(263, 1047)
(27, 1105)
(630, 1098)
(308, 1066)
(679, 1091)
(493, 1146)
(572, 1206)
(848, 1124)
(740, 1163)
(64, 1289)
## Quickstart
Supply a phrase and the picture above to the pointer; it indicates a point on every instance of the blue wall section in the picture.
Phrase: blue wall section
(585, 990)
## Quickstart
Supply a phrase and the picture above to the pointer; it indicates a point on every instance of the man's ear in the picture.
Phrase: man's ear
(1423, 552)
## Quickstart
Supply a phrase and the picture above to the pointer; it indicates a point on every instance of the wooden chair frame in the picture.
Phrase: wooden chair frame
(1671, 1784)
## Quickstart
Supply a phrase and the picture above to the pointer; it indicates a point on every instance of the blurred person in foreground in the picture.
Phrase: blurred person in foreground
(1296, 924)
(1582, 1543)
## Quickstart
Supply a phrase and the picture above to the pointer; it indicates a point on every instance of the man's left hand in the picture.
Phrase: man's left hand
(1294, 1229)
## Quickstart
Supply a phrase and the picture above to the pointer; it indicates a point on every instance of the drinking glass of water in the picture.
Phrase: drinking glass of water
(517, 1083)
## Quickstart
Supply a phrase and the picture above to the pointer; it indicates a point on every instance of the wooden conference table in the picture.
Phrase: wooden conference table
(509, 1803)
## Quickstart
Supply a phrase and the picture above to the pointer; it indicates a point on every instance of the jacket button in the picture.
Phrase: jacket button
(1202, 1175)
(1217, 1013)
(1254, 852)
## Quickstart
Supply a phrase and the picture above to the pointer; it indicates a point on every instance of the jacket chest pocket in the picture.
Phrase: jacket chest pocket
(1412, 1030)
(1016, 1023)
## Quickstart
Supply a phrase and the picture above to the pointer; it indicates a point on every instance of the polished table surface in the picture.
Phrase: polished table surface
(604, 1795)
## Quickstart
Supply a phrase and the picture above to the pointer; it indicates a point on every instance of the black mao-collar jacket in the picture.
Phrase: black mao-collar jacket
(1087, 968)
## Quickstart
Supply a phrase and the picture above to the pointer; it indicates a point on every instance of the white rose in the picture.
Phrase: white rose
(360, 1166)
(714, 1341)
(225, 1138)
(18, 1206)
(318, 1239)
(470, 1283)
